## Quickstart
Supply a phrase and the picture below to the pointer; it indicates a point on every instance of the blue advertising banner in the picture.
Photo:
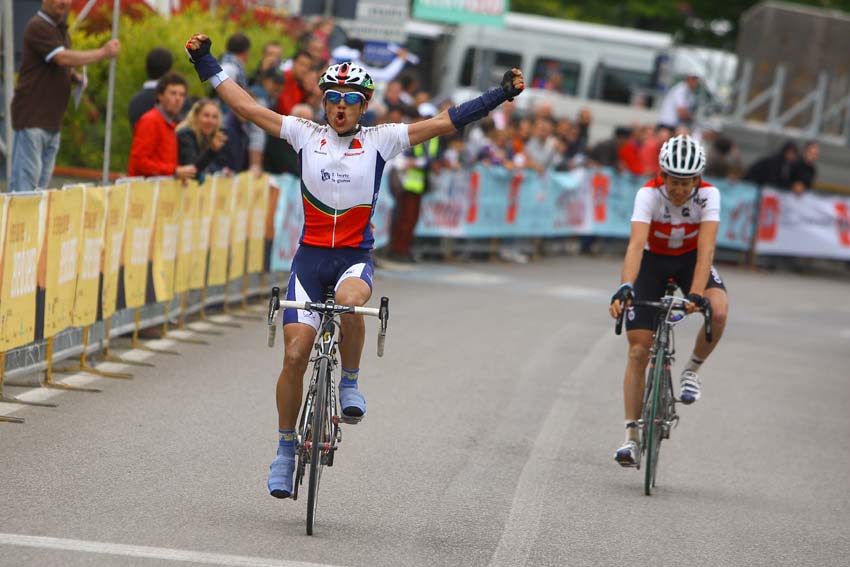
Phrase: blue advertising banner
(493, 202)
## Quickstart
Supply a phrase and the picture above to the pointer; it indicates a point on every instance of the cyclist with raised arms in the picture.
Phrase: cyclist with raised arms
(673, 235)
(341, 165)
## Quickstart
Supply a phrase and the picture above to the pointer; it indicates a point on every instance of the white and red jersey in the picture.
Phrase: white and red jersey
(340, 178)
(673, 230)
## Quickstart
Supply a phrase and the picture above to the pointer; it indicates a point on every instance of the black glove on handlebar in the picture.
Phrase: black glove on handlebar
(698, 300)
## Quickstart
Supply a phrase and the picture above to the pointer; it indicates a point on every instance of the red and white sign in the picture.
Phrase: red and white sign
(812, 225)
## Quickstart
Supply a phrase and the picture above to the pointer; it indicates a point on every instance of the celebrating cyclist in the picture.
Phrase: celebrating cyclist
(673, 234)
(341, 164)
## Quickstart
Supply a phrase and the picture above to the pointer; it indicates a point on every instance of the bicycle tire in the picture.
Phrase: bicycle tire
(304, 424)
(319, 433)
(652, 428)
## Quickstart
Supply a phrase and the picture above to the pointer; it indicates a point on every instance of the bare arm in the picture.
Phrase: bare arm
(74, 58)
(631, 262)
(244, 105)
(439, 125)
(237, 98)
(706, 243)
(513, 84)
(634, 252)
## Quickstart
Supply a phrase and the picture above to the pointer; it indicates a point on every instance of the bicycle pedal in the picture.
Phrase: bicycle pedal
(350, 419)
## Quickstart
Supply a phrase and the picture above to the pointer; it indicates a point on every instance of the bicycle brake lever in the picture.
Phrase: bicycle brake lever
(709, 332)
(383, 316)
(274, 306)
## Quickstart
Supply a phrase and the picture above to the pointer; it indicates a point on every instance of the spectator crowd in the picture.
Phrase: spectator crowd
(189, 139)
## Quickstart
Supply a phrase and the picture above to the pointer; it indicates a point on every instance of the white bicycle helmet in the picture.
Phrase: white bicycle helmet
(682, 156)
(350, 75)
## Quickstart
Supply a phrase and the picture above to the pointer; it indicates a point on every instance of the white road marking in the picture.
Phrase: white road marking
(514, 548)
(163, 553)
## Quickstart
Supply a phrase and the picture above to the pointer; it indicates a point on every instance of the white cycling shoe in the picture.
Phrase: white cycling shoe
(689, 387)
(627, 455)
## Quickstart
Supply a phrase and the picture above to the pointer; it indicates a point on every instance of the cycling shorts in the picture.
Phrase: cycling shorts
(651, 284)
(314, 269)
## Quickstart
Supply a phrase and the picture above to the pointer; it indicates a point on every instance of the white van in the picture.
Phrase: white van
(620, 74)
(583, 60)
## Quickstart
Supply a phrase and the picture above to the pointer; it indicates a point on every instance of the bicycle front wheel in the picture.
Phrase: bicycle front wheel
(319, 437)
(652, 424)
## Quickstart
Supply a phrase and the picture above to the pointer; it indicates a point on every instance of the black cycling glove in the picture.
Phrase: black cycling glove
(623, 293)
(698, 300)
(508, 85)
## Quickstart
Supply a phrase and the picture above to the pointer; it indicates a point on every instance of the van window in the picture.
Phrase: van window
(493, 65)
(556, 75)
(624, 86)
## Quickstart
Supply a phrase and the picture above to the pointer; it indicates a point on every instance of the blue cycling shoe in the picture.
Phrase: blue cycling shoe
(280, 473)
(353, 405)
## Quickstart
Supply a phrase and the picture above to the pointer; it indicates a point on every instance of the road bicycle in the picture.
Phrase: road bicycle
(318, 433)
(658, 416)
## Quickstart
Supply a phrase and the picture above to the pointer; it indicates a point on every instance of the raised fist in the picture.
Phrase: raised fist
(513, 83)
(198, 46)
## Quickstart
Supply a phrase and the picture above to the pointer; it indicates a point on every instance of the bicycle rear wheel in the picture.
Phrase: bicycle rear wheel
(319, 437)
(652, 424)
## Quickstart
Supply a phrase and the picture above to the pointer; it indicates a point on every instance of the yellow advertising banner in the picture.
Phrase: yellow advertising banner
(188, 235)
(243, 188)
(165, 239)
(138, 240)
(113, 245)
(200, 256)
(257, 226)
(220, 230)
(18, 266)
(4, 204)
(64, 223)
(90, 258)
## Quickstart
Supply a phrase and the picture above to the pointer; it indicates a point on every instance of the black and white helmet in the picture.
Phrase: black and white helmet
(682, 156)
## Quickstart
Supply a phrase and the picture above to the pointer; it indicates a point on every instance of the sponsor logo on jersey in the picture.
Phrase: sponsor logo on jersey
(335, 176)
(700, 201)
(355, 144)
(686, 212)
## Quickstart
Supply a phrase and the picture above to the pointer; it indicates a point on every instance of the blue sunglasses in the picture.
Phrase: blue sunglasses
(352, 97)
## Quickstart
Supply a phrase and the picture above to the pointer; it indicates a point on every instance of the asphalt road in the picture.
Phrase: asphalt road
(492, 422)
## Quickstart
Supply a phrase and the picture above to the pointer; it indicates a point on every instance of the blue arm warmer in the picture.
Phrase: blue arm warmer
(477, 108)
(207, 67)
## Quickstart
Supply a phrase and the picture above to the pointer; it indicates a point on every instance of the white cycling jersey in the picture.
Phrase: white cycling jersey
(340, 178)
(673, 230)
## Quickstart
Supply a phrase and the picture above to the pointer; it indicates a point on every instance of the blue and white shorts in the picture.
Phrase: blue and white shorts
(314, 269)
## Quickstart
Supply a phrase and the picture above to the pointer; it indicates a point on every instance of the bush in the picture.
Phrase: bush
(83, 132)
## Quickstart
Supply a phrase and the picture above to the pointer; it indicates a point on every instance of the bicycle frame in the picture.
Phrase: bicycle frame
(317, 430)
(658, 413)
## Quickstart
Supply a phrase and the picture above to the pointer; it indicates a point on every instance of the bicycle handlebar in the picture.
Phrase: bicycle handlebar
(329, 308)
(672, 304)
(332, 309)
